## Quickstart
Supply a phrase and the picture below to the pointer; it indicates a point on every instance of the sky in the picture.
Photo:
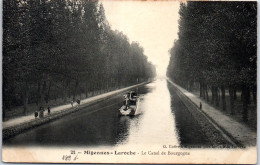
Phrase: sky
(153, 24)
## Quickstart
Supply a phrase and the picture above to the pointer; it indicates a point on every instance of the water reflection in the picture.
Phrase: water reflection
(122, 129)
(190, 132)
(154, 123)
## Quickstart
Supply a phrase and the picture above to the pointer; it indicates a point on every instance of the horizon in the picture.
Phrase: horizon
(137, 26)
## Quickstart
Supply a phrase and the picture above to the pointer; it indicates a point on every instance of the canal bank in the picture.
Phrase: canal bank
(166, 116)
(218, 127)
(18, 125)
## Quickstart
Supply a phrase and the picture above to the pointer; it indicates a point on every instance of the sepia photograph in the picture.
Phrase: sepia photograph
(129, 81)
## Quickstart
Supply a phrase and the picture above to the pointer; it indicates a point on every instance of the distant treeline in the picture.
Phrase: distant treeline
(62, 48)
(217, 49)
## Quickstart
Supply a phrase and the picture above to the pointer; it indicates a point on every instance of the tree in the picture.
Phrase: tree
(62, 49)
(216, 48)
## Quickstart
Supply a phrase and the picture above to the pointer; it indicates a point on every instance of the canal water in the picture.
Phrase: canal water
(160, 119)
(154, 123)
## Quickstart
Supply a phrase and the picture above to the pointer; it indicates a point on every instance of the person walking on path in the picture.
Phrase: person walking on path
(41, 112)
(35, 114)
(78, 101)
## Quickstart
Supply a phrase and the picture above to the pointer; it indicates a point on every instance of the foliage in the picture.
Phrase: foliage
(60, 48)
(216, 45)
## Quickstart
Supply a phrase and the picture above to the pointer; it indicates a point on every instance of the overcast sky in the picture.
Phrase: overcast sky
(154, 24)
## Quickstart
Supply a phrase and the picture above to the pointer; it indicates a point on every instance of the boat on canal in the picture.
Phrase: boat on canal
(130, 104)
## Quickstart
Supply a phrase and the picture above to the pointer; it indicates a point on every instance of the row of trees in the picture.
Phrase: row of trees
(60, 48)
(217, 49)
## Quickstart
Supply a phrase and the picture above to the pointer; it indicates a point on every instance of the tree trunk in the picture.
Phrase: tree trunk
(107, 85)
(246, 95)
(201, 89)
(205, 91)
(65, 90)
(25, 98)
(75, 89)
(254, 95)
(207, 94)
(86, 90)
(3, 114)
(191, 85)
(69, 92)
(38, 93)
(223, 98)
(231, 98)
(48, 93)
(42, 94)
(235, 93)
(249, 96)
(213, 95)
(217, 96)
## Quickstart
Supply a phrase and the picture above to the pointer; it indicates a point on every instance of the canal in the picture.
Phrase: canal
(161, 118)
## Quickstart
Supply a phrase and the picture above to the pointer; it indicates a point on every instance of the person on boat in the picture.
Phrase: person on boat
(125, 104)
(128, 95)
(126, 101)
(134, 95)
